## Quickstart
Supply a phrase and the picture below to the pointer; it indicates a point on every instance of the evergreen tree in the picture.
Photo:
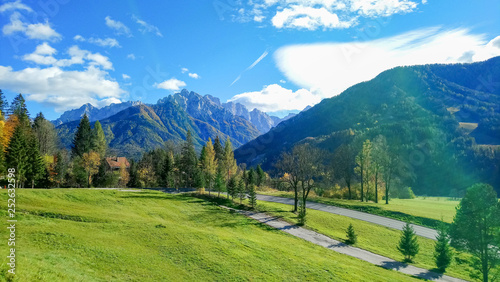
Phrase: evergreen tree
(240, 190)
(251, 177)
(252, 195)
(134, 176)
(219, 150)
(99, 144)
(167, 171)
(230, 167)
(232, 189)
(46, 134)
(35, 169)
(219, 183)
(209, 164)
(408, 244)
(442, 250)
(3, 103)
(82, 143)
(261, 176)
(17, 153)
(18, 108)
(60, 169)
(189, 161)
(352, 237)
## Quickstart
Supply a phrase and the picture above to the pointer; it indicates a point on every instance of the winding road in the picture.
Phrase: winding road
(376, 219)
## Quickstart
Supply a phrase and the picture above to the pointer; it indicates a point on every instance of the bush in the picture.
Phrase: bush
(406, 193)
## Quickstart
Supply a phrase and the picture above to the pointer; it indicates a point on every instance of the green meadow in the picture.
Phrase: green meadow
(111, 235)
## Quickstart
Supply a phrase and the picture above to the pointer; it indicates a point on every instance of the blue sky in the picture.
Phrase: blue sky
(275, 55)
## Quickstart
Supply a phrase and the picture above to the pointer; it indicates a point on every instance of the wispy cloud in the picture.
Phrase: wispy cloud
(131, 56)
(42, 31)
(13, 6)
(330, 68)
(251, 66)
(103, 42)
(193, 75)
(119, 27)
(146, 27)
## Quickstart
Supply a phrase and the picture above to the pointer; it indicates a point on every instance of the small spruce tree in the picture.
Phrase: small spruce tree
(442, 250)
(252, 195)
(408, 244)
(352, 237)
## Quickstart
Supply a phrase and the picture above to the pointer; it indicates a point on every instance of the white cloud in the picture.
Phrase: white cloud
(16, 5)
(171, 84)
(274, 98)
(330, 68)
(282, 81)
(79, 38)
(194, 75)
(125, 76)
(42, 31)
(131, 56)
(146, 27)
(308, 17)
(43, 55)
(119, 27)
(103, 42)
(184, 70)
(62, 89)
(314, 14)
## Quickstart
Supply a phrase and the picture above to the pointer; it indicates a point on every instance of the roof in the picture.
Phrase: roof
(117, 162)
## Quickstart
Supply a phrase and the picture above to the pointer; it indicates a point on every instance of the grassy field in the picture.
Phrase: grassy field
(377, 239)
(420, 208)
(103, 235)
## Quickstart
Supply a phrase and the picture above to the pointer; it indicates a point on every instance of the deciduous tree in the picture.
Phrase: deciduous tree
(91, 162)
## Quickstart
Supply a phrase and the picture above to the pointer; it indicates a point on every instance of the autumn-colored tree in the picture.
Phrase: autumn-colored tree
(209, 164)
(124, 175)
(91, 162)
(230, 167)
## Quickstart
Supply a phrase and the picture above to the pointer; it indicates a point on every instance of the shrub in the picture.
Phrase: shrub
(352, 238)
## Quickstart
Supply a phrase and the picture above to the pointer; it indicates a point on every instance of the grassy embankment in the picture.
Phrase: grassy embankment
(102, 235)
(425, 211)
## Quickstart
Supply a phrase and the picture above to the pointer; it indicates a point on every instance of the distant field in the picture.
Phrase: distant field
(425, 207)
(102, 235)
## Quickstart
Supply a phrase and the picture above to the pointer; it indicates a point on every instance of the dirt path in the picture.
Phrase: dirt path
(376, 219)
(327, 242)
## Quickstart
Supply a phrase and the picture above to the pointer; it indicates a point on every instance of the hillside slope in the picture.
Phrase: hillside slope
(412, 108)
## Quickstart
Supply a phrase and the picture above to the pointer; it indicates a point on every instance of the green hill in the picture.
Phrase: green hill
(111, 235)
(410, 106)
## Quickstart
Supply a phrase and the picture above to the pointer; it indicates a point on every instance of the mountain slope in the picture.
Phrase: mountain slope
(410, 107)
(140, 128)
(93, 113)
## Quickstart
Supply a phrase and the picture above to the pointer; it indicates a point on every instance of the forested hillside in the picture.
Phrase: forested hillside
(442, 121)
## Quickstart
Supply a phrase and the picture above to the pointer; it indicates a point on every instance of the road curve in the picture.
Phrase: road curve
(337, 246)
(376, 219)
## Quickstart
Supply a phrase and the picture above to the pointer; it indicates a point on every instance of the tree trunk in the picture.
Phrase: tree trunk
(386, 193)
(485, 268)
(376, 187)
(362, 180)
(296, 199)
(349, 189)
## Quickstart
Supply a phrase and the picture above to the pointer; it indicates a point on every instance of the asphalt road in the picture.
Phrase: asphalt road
(376, 219)
(327, 242)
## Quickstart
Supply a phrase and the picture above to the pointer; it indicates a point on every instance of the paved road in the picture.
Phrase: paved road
(327, 242)
(376, 219)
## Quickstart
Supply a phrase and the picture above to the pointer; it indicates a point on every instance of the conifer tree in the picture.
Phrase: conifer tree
(219, 150)
(99, 144)
(167, 170)
(134, 176)
(240, 190)
(251, 176)
(408, 244)
(46, 134)
(232, 186)
(3, 103)
(442, 250)
(82, 143)
(59, 169)
(252, 195)
(261, 176)
(219, 183)
(230, 167)
(352, 237)
(189, 160)
(35, 168)
(209, 164)
(17, 153)
(18, 108)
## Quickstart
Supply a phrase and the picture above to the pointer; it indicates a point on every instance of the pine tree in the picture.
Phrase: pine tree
(167, 170)
(134, 176)
(18, 108)
(209, 164)
(442, 250)
(82, 143)
(252, 196)
(99, 143)
(251, 176)
(17, 153)
(408, 244)
(219, 183)
(35, 168)
(3, 103)
(219, 150)
(230, 167)
(261, 176)
(240, 190)
(232, 189)
(352, 237)
(189, 160)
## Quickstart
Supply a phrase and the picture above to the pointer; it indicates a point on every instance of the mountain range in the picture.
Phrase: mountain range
(443, 122)
(133, 128)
